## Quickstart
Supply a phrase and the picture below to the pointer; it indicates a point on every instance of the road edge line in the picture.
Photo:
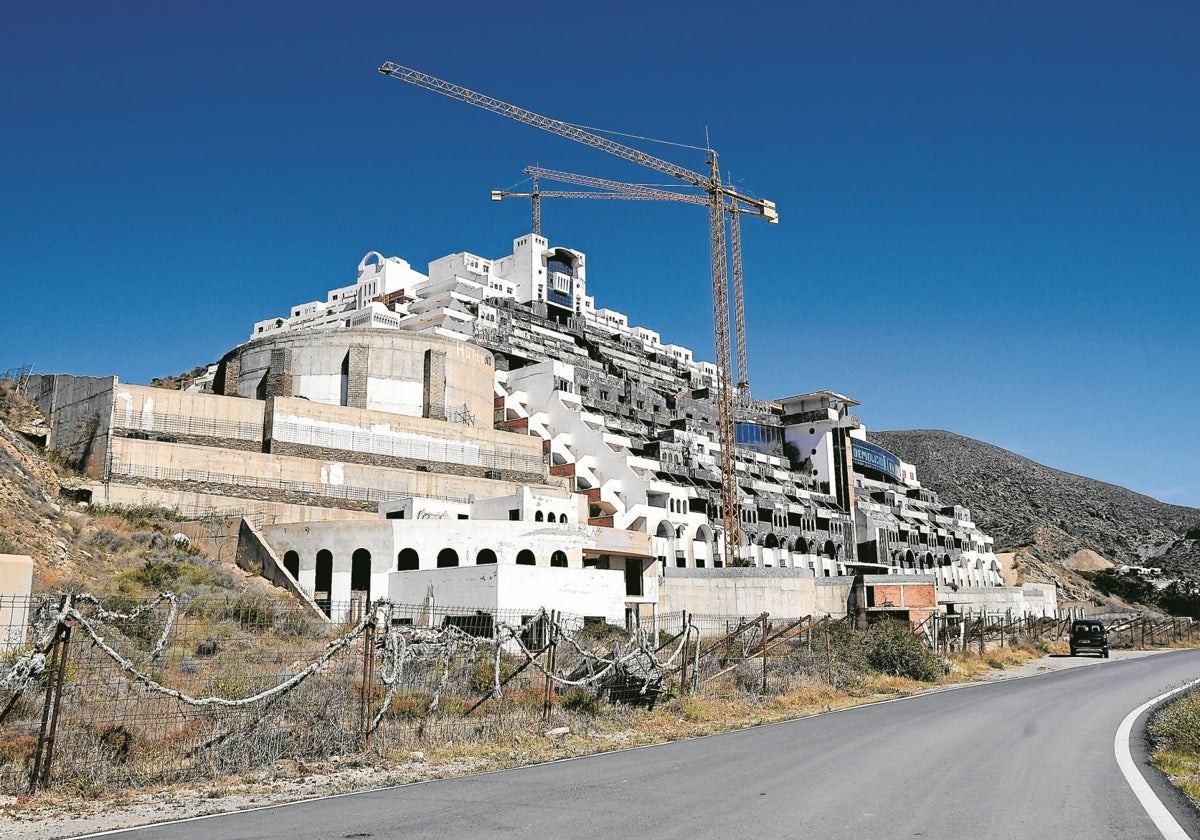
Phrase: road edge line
(1166, 824)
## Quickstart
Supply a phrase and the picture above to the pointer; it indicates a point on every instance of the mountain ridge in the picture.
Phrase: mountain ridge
(1027, 505)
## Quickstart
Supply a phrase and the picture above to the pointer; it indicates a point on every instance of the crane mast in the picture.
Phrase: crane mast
(720, 198)
(731, 508)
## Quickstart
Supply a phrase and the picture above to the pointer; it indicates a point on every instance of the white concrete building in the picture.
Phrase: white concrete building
(495, 414)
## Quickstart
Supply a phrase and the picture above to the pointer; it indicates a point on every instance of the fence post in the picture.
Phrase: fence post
(764, 654)
(39, 776)
(683, 661)
(551, 664)
(368, 684)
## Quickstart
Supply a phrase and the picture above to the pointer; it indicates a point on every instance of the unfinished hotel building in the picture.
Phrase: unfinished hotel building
(485, 432)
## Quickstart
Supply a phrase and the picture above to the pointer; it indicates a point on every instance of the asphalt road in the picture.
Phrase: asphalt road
(1028, 758)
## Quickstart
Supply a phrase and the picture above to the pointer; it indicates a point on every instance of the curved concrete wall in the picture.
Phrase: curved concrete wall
(382, 370)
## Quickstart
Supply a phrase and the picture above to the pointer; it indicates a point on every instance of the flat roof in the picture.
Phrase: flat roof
(830, 395)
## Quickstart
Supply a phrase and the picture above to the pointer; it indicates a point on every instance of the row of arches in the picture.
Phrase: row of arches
(550, 517)
(914, 560)
(407, 559)
(666, 530)
(802, 546)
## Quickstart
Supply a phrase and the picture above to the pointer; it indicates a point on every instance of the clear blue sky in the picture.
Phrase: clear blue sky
(990, 211)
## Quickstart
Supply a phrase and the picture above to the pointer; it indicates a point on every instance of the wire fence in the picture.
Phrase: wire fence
(405, 446)
(125, 694)
(121, 468)
(188, 425)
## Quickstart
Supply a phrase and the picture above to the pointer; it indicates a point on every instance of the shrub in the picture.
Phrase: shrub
(110, 540)
(409, 705)
(1177, 726)
(294, 624)
(838, 656)
(892, 648)
(250, 612)
(599, 633)
(580, 699)
(483, 673)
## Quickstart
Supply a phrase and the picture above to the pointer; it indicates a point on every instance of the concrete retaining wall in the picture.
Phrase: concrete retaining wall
(79, 411)
(747, 592)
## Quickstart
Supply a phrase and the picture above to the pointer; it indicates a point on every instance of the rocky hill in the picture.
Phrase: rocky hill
(125, 553)
(1023, 504)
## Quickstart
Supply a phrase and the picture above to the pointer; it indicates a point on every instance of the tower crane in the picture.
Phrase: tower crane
(719, 198)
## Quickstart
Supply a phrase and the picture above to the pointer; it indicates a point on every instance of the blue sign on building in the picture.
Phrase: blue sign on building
(875, 458)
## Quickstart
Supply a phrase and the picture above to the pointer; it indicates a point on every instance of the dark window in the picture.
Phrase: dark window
(291, 562)
(360, 571)
(559, 560)
(485, 557)
(446, 558)
(408, 561)
(324, 579)
(526, 558)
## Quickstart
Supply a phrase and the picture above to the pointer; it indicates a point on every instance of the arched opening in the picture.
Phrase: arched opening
(408, 560)
(830, 549)
(360, 575)
(447, 557)
(801, 546)
(770, 541)
(908, 559)
(291, 562)
(550, 517)
(525, 558)
(558, 560)
(485, 557)
(929, 559)
(664, 530)
(537, 517)
(324, 579)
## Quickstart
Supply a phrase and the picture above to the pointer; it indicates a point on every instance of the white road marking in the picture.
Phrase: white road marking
(1163, 821)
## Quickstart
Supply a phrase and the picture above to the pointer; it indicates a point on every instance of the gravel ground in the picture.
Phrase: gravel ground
(291, 781)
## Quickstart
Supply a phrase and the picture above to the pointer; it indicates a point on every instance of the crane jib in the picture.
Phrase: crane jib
(765, 209)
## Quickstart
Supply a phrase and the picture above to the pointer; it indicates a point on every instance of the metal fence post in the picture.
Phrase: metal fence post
(683, 661)
(551, 664)
(56, 670)
(368, 684)
(764, 654)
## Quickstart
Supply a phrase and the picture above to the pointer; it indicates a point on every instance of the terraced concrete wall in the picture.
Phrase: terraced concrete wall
(79, 411)
(283, 478)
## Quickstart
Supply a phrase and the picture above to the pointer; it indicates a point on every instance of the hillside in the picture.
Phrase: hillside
(1024, 504)
(131, 554)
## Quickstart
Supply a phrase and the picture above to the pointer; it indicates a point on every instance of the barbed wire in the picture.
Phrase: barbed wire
(401, 645)
(111, 615)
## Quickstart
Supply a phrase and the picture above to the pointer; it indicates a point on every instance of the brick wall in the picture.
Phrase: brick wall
(356, 379)
(434, 402)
